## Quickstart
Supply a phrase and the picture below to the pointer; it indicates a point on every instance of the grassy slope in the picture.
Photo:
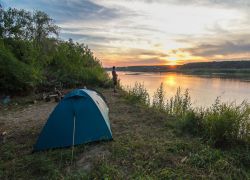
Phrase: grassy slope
(146, 145)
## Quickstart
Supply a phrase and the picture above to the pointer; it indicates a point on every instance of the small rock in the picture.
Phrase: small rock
(3, 137)
(183, 159)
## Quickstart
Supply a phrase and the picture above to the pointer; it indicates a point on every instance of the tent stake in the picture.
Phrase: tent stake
(73, 141)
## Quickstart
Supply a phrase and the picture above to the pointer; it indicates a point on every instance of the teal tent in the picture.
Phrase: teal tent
(80, 117)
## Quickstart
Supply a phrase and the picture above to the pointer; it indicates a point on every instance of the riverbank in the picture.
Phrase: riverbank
(146, 145)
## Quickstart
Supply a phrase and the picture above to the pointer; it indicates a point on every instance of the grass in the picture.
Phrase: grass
(147, 145)
(223, 125)
(137, 94)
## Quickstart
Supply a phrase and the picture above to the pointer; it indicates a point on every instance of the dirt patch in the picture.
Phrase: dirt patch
(86, 160)
(25, 118)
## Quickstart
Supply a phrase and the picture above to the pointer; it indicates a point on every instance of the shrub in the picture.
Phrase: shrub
(159, 98)
(222, 125)
(138, 94)
(191, 122)
(32, 56)
(179, 104)
(16, 75)
(227, 123)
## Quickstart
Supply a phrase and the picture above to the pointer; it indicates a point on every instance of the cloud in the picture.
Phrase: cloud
(210, 50)
(68, 10)
(135, 62)
(214, 3)
(135, 57)
(151, 31)
(84, 37)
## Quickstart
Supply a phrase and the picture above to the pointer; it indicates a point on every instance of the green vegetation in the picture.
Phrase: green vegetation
(158, 139)
(223, 124)
(224, 128)
(32, 57)
(148, 143)
(234, 65)
(159, 99)
(227, 69)
(138, 94)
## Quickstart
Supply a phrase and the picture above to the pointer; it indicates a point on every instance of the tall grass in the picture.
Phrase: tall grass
(222, 124)
(138, 94)
(179, 104)
(159, 98)
(227, 123)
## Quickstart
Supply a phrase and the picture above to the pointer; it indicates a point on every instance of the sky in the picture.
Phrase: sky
(152, 32)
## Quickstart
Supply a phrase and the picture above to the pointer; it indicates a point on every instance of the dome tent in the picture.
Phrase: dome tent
(80, 117)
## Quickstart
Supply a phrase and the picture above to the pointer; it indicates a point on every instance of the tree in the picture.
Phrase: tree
(33, 58)
(21, 24)
(43, 26)
(15, 23)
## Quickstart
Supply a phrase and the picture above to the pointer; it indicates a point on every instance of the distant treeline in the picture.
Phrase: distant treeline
(163, 68)
(217, 65)
(32, 57)
(227, 66)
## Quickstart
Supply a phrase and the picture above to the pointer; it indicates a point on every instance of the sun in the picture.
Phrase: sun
(172, 60)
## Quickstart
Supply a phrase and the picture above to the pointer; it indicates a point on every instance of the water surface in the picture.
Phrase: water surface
(203, 89)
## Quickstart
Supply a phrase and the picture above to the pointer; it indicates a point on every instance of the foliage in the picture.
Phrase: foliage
(217, 65)
(191, 122)
(227, 123)
(222, 124)
(75, 64)
(15, 75)
(21, 24)
(33, 58)
(159, 98)
(138, 94)
(143, 148)
(179, 104)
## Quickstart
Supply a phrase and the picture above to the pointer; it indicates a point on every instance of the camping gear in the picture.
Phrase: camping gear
(57, 94)
(6, 100)
(80, 117)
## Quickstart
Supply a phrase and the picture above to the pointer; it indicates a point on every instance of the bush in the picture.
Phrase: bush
(179, 104)
(226, 124)
(222, 125)
(159, 98)
(191, 122)
(138, 94)
(32, 58)
(16, 76)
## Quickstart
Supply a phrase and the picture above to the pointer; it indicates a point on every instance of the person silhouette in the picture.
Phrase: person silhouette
(114, 77)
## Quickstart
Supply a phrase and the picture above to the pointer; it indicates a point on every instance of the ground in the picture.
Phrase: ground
(145, 146)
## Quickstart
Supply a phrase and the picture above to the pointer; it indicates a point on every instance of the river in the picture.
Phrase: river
(203, 89)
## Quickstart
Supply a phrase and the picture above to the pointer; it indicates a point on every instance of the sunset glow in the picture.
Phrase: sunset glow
(143, 32)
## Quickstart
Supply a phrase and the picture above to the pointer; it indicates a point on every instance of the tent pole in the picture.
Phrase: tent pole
(73, 140)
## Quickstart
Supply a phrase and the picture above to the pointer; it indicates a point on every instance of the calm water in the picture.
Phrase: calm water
(203, 90)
